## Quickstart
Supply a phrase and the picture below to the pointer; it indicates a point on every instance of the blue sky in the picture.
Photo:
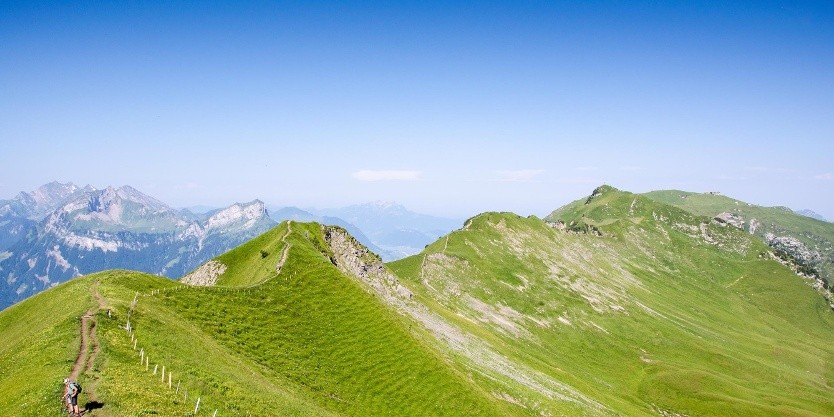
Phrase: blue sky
(450, 108)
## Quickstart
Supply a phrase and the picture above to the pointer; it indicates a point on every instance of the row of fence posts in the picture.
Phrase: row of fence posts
(144, 359)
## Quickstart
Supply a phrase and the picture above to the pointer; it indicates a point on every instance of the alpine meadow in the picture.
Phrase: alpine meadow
(616, 304)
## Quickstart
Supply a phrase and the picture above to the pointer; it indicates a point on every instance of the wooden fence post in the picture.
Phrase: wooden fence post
(163, 374)
(197, 407)
(154, 368)
(169, 379)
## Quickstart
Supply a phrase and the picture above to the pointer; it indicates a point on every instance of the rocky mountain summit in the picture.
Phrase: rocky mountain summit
(36, 204)
(19, 216)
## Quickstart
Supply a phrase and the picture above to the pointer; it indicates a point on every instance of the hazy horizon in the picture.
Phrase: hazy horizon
(448, 108)
(204, 208)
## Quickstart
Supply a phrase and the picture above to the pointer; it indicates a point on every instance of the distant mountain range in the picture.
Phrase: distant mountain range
(812, 214)
(299, 215)
(387, 228)
(61, 231)
(395, 229)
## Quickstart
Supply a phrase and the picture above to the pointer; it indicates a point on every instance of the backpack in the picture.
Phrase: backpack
(76, 386)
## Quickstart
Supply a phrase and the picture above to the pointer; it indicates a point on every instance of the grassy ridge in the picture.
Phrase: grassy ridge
(648, 318)
(310, 342)
(320, 331)
(254, 261)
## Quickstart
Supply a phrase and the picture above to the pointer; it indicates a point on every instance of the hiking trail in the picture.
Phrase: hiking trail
(89, 349)
(286, 251)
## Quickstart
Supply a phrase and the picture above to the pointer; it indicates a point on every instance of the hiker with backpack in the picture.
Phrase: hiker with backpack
(71, 391)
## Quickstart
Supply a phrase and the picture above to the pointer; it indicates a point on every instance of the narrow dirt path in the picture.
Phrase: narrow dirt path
(81, 359)
(286, 248)
(90, 347)
(423, 274)
(96, 347)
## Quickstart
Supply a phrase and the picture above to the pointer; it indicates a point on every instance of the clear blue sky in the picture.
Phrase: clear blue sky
(450, 108)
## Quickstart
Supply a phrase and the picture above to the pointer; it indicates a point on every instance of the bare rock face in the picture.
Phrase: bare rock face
(794, 248)
(753, 225)
(206, 275)
(355, 259)
(558, 225)
(730, 219)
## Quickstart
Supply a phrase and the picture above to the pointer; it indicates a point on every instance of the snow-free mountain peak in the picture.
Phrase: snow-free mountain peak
(128, 193)
(34, 205)
(53, 193)
(388, 206)
(812, 214)
(247, 213)
(114, 209)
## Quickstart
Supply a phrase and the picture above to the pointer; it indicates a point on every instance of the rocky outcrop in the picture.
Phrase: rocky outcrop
(602, 189)
(558, 225)
(753, 226)
(796, 249)
(804, 261)
(354, 259)
(730, 219)
(737, 221)
(206, 275)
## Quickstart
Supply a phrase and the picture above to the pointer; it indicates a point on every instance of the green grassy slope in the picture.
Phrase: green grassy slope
(665, 313)
(38, 344)
(617, 304)
(815, 234)
(307, 342)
